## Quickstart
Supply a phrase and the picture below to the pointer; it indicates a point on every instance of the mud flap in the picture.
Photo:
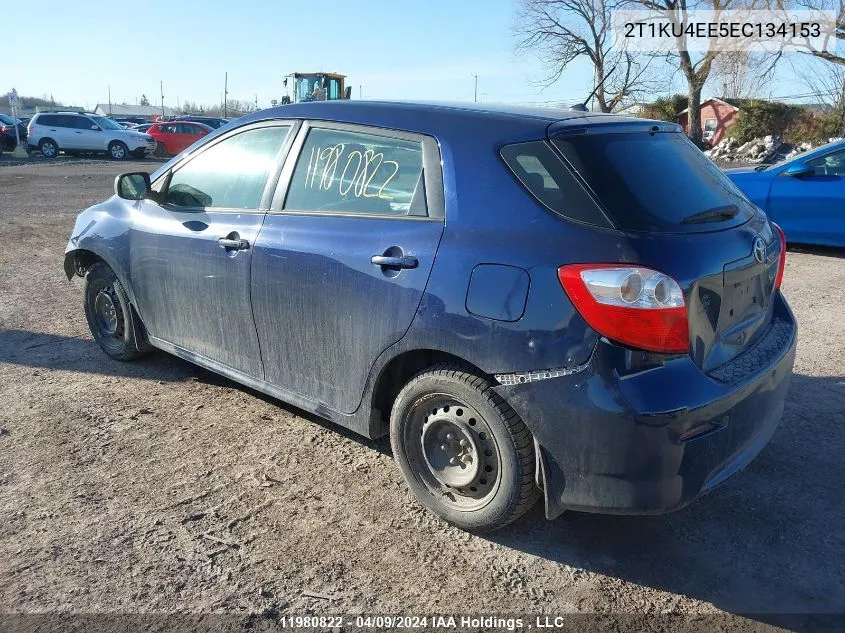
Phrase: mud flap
(550, 481)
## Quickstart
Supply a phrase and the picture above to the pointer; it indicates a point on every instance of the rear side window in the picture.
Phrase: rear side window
(48, 119)
(351, 172)
(545, 176)
(656, 182)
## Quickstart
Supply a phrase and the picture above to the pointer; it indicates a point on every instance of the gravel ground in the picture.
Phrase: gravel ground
(157, 487)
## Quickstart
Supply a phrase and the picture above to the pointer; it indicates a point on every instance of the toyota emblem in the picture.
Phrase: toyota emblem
(759, 250)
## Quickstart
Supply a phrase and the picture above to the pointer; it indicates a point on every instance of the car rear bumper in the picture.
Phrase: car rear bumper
(636, 434)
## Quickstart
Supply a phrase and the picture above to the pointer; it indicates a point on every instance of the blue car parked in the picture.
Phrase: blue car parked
(805, 195)
(531, 303)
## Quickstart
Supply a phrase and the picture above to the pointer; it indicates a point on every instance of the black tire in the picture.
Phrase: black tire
(139, 153)
(451, 403)
(48, 148)
(113, 324)
(118, 150)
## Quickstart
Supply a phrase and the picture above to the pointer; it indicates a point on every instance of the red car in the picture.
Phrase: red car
(173, 136)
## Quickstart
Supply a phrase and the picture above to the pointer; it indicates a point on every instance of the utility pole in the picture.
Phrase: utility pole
(360, 87)
(161, 90)
(475, 94)
(225, 93)
(109, 100)
(256, 102)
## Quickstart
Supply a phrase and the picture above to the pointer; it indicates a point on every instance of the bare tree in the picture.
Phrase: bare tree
(824, 81)
(740, 74)
(835, 6)
(695, 71)
(561, 31)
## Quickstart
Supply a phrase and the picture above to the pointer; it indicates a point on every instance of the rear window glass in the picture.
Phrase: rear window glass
(655, 182)
(546, 177)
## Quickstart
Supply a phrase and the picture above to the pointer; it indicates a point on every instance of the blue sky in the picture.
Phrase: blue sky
(395, 49)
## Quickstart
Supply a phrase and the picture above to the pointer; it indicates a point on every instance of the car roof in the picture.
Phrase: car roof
(353, 109)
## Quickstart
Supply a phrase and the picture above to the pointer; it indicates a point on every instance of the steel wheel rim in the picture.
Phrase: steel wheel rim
(437, 460)
(108, 313)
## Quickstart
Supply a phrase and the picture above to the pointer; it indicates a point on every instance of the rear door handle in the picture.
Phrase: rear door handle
(234, 245)
(394, 262)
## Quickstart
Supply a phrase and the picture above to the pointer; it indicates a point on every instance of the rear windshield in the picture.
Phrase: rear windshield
(657, 182)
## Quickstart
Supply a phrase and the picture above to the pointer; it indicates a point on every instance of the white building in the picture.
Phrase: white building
(149, 112)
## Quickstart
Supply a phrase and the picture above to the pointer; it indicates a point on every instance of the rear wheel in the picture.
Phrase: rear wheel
(463, 451)
(109, 314)
(118, 150)
(48, 148)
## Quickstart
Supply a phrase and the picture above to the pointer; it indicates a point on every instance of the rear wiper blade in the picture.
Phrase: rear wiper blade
(712, 215)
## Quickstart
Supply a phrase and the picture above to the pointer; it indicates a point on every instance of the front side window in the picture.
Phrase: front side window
(830, 165)
(230, 174)
(106, 124)
(83, 123)
(351, 172)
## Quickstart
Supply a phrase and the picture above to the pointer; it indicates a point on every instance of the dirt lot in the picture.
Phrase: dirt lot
(159, 487)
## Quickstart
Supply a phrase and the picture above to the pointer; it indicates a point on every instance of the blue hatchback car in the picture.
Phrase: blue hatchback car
(531, 303)
(805, 195)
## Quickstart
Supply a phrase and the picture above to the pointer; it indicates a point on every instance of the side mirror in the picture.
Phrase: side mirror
(132, 186)
(96, 128)
(799, 170)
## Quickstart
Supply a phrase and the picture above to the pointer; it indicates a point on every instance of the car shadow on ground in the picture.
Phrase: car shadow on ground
(81, 354)
(767, 544)
(811, 249)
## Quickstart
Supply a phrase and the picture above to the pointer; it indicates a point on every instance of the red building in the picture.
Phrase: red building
(717, 115)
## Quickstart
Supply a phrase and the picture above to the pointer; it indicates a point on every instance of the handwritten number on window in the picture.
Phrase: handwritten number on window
(360, 170)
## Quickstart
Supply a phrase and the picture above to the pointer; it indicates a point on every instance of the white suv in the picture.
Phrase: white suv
(52, 132)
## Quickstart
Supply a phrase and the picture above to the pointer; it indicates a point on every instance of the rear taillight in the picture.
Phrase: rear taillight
(4, 128)
(782, 257)
(631, 305)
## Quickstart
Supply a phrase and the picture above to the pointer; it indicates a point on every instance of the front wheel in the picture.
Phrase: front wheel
(463, 451)
(118, 150)
(109, 315)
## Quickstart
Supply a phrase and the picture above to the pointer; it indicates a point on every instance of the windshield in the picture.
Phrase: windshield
(107, 124)
(7, 120)
(657, 182)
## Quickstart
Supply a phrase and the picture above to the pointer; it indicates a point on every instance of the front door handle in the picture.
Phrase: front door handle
(233, 245)
(394, 262)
